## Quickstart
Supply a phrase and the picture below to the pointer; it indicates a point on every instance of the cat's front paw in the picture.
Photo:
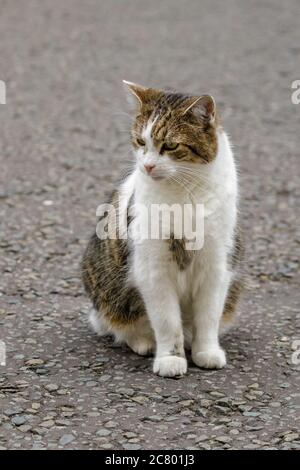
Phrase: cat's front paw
(210, 359)
(170, 366)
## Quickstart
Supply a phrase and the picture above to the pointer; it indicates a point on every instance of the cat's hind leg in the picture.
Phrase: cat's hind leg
(142, 345)
(97, 323)
(140, 337)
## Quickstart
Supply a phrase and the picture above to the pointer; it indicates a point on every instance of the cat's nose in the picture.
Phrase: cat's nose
(149, 168)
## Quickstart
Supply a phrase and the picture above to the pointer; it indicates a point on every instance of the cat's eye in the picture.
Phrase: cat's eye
(141, 142)
(168, 146)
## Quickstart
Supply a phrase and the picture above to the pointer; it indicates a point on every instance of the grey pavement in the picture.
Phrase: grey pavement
(63, 143)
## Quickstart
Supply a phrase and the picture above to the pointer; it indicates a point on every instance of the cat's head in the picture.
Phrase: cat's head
(172, 133)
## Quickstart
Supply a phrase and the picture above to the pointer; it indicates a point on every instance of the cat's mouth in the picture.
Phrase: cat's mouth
(157, 177)
(154, 176)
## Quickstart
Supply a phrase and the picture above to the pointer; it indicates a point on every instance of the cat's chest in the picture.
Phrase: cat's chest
(179, 215)
(192, 276)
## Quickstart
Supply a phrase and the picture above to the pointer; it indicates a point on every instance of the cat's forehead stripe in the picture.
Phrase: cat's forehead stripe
(147, 130)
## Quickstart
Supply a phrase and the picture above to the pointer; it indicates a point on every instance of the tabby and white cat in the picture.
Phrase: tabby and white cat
(155, 295)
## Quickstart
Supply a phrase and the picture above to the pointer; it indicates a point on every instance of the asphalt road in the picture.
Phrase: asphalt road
(63, 143)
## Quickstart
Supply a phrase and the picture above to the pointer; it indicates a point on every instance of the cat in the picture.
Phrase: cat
(156, 295)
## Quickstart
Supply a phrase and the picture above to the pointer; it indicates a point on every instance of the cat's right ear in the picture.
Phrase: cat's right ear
(204, 106)
(136, 93)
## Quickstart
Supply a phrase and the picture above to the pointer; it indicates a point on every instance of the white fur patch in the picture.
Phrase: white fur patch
(146, 133)
(202, 287)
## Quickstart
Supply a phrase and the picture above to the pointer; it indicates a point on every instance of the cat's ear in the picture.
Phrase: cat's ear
(136, 92)
(204, 106)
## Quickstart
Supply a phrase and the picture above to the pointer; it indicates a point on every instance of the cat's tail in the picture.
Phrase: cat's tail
(230, 312)
(228, 321)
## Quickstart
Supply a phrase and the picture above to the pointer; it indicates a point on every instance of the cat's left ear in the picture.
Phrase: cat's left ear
(137, 91)
(204, 106)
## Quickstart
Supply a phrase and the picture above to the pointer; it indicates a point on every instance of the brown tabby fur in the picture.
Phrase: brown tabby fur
(104, 274)
(195, 135)
(122, 305)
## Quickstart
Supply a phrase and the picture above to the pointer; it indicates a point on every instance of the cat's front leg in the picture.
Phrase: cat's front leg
(163, 310)
(165, 316)
(207, 311)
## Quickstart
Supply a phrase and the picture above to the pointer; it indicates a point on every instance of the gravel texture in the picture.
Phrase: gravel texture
(63, 142)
